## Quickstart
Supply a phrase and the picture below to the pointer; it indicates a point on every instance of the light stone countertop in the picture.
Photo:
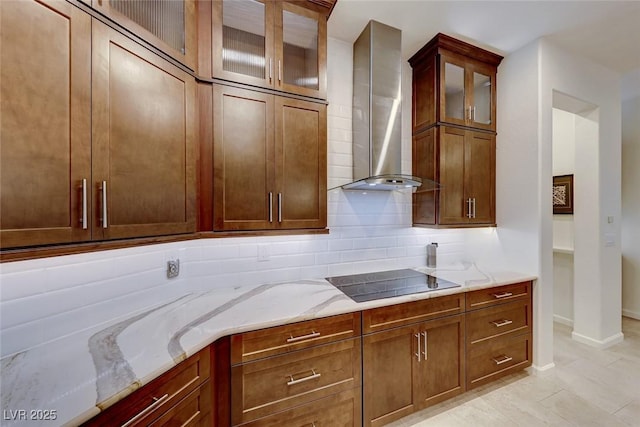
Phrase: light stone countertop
(79, 374)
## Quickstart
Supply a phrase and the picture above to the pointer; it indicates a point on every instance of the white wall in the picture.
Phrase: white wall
(597, 284)
(631, 195)
(564, 158)
(41, 300)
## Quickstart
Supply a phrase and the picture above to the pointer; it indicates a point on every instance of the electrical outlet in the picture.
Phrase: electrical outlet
(173, 268)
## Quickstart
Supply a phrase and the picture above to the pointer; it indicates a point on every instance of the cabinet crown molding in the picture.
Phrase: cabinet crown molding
(444, 42)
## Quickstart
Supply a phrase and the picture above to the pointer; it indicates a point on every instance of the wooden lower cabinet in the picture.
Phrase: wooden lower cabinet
(265, 387)
(411, 367)
(181, 396)
(339, 410)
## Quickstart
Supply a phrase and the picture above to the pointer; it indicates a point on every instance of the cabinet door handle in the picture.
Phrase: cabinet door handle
(156, 402)
(83, 216)
(503, 295)
(105, 222)
(419, 354)
(469, 115)
(279, 70)
(270, 207)
(313, 375)
(279, 207)
(501, 323)
(270, 69)
(424, 352)
(502, 359)
(473, 114)
(469, 208)
(313, 334)
(474, 207)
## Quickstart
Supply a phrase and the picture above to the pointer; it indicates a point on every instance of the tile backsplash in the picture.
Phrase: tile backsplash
(44, 299)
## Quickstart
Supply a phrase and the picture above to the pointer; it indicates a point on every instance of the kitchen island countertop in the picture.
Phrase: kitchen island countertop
(79, 375)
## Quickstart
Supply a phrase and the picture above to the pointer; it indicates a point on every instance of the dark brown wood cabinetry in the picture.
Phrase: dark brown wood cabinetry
(108, 150)
(303, 373)
(454, 109)
(272, 44)
(168, 25)
(45, 124)
(269, 161)
(499, 332)
(362, 368)
(407, 368)
(143, 154)
(181, 396)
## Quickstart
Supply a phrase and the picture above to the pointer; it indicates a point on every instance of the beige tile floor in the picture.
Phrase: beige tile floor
(588, 387)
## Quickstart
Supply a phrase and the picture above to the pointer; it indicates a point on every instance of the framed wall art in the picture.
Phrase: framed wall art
(563, 194)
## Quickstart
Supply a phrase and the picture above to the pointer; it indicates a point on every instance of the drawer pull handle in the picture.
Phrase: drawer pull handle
(501, 323)
(503, 295)
(502, 359)
(313, 375)
(424, 352)
(156, 402)
(313, 334)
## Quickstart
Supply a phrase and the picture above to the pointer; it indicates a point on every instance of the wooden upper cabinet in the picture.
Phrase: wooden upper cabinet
(454, 143)
(465, 168)
(143, 141)
(454, 83)
(243, 159)
(45, 123)
(169, 25)
(273, 44)
(269, 161)
(301, 163)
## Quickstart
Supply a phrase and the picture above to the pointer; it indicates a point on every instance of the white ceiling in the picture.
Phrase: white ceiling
(607, 32)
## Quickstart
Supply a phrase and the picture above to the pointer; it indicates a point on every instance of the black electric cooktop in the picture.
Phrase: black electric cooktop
(387, 284)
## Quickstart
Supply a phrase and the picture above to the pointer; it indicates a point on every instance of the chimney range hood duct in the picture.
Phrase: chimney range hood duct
(377, 112)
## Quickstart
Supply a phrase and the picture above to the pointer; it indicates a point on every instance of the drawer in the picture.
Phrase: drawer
(194, 410)
(379, 319)
(278, 383)
(513, 318)
(155, 398)
(296, 336)
(498, 358)
(339, 410)
(499, 295)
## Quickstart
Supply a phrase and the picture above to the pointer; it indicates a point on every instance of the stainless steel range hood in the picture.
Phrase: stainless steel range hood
(377, 112)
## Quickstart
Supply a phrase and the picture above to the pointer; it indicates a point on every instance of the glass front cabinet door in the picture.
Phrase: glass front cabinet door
(467, 91)
(271, 44)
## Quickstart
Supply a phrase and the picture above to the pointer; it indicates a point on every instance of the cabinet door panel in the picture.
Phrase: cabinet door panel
(480, 176)
(389, 364)
(441, 371)
(243, 160)
(243, 41)
(301, 49)
(453, 90)
(143, 140)
(424, 166)
(167, 24)
(45, 126)
(301, 159)
(482, 87)
(453, 209)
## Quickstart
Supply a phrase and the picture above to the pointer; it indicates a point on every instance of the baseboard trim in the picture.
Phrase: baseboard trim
(600, 344)
(540, 369)
(562, 320)
(630, 313)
